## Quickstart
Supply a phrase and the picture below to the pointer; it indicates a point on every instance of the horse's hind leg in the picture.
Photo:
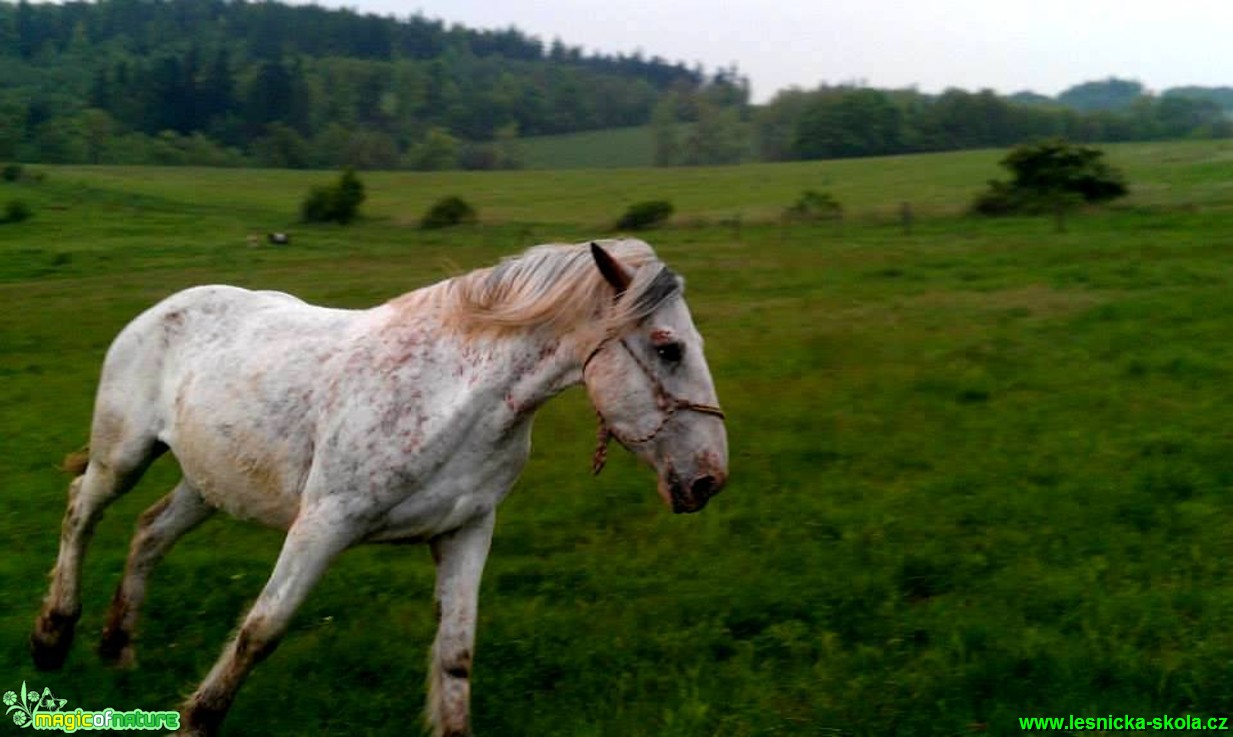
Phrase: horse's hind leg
(158, 529)
(116, 462)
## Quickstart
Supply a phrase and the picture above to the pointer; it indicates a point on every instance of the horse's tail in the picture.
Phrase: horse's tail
(75, 463)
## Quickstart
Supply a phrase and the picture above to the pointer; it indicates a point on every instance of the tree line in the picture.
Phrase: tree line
(833, 122)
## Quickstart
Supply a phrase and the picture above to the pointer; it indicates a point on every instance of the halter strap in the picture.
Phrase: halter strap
(667, 403)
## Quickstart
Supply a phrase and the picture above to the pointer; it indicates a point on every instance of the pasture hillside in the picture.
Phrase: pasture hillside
(979, 472)
(610, 148)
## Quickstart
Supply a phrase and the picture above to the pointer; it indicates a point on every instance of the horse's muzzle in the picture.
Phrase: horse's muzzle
(694, 496)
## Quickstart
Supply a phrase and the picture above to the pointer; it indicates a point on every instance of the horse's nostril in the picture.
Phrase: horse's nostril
(704, 487)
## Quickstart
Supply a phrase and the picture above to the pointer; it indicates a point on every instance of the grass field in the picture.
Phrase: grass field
(979, 472)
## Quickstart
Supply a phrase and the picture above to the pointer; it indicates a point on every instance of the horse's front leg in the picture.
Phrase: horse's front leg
(313, 541)
(460, 557)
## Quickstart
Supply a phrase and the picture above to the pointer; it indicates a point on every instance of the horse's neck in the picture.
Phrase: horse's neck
(524, 367)
(532, 367)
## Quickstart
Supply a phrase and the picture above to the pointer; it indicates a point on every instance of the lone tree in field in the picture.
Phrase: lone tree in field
(1051, 176)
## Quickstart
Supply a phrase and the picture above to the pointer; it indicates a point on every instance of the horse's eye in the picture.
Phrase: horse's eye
(670, 352)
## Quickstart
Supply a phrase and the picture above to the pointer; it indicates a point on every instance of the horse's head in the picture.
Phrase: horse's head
(650, 384)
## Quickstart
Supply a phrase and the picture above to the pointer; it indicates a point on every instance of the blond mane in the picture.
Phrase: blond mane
(556, 286)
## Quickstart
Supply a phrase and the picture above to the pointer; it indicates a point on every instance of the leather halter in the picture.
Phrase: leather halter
(666, 402)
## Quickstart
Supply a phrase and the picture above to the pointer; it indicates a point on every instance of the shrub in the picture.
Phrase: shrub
(338, 202)
(814, 206)
(12, 172)
(447, 212)
(15, 212)
(644, 215)
(1051, 176)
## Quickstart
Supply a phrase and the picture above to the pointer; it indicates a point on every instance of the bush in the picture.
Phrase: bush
(338, 202)
(447, 212)
(644, 215)
(1051, 176)
(814, 206)
(12, 172)
(15, 212)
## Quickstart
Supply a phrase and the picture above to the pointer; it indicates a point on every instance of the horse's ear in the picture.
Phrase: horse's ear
(616, 273)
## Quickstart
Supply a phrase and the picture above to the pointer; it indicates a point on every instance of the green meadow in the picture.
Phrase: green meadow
(979, 471)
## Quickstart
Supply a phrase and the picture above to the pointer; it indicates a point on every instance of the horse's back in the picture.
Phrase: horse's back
(138, 361)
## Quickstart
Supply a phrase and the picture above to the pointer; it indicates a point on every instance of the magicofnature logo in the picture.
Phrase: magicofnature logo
(24, 708)
(43, 711)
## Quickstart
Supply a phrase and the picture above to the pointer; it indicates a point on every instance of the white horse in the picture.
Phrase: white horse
(409, 421)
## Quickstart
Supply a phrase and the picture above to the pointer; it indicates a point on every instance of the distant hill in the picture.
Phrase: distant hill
(1027, 97)
(1108, 94)
(1115, 94)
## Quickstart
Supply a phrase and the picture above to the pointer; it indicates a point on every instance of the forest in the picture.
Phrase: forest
(213, 82)
(233, 83)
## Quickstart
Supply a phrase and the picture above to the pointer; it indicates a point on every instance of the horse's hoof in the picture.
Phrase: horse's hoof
(198, 720)
(193, 729)
(48, 656)
(51, 639)
(116, 649)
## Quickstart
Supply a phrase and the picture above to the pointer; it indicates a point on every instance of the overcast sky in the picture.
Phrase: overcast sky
(1007, 45)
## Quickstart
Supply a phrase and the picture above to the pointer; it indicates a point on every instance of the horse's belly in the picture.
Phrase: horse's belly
(245, 478)
(237, 494)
